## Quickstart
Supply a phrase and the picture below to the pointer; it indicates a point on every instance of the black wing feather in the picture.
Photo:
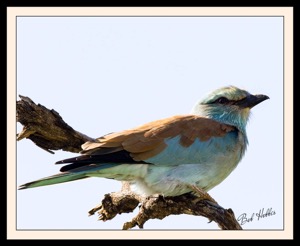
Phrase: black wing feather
(122, 156)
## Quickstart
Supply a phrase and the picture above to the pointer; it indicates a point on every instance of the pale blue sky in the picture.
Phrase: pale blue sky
(105, 74)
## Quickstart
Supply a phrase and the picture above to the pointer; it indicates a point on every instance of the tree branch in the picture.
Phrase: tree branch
(47, 129)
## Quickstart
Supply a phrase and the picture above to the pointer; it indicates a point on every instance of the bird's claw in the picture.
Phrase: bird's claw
(203, 195)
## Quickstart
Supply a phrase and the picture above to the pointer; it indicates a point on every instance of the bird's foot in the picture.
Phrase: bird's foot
(202, 194)
(155, 196)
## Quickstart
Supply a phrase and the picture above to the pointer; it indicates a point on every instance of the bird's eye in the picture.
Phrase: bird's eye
(222, 100)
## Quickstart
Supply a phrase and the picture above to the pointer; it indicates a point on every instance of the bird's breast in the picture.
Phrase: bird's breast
(203, 163)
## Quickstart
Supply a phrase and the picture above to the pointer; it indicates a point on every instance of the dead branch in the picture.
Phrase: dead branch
(46, 128)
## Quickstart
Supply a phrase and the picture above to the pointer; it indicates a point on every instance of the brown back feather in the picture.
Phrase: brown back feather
(147, 140)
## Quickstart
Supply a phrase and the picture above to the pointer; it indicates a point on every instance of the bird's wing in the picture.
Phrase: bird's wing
(142, 143)
(148, 140)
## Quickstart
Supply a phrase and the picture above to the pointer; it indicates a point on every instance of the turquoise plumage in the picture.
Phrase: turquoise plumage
(172, 156)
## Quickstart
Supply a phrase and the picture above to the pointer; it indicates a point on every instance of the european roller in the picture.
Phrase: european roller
(172, 156)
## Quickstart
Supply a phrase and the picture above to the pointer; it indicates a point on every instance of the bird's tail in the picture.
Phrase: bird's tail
(54, 179)
(70, 173)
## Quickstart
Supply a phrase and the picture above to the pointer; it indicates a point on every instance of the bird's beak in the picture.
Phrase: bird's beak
(251, 100)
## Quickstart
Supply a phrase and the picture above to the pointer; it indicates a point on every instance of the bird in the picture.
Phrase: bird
(189, 153)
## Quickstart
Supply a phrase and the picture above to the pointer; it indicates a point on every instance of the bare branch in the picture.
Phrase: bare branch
(159, 207)
(46, 128)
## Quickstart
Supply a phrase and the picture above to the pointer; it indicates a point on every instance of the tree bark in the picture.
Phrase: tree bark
(47, 130)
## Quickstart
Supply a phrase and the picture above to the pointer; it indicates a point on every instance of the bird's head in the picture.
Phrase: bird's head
(229, 105)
